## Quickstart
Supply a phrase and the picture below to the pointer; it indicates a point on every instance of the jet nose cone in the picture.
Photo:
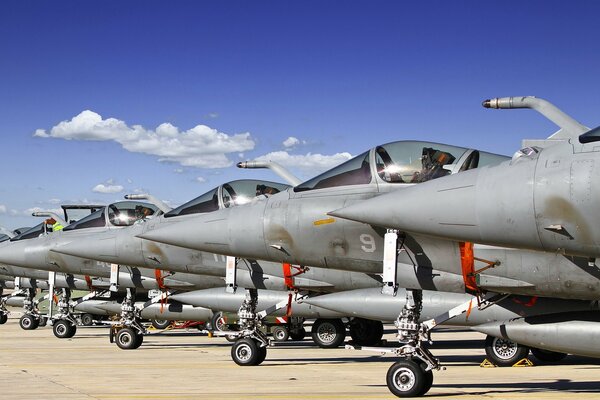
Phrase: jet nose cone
(13, 253)
(101, 248)
(373, 211)
(204, 232)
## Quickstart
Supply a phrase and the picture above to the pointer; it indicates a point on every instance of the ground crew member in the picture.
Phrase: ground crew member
(56, 226)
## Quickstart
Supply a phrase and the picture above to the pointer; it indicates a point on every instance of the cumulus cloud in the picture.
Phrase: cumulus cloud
(292, 142)
(308, 162)
(3, 209)
(200, 146)
(200, 179)
(107, 187)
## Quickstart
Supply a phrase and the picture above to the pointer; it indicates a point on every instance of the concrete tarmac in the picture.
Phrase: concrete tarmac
(188, 365)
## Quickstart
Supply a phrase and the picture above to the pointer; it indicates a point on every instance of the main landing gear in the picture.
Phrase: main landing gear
(251, 346)
(128, 333)
(31, 318)
(64, 323)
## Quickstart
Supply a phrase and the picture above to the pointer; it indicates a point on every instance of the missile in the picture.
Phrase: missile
(172, 311)
(219, 299)
(16, 301)
(91, 307)
(570, 332)
(372, 304)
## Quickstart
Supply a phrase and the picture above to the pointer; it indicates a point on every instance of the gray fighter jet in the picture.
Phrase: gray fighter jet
(31, 250)
(294, 226)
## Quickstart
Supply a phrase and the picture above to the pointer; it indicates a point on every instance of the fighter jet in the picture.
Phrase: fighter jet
(294, 226)
(251, 274)
(31, 250)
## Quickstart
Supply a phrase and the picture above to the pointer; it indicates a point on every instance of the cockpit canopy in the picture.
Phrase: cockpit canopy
(402, 162)
(227, 195)
(31, 233)
(122, 213)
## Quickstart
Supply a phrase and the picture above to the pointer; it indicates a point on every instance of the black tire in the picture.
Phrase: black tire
(548, 356)
(428, 379)
(366, 332)
(262, 355)
(503, 352)
(140, 340)
(87, 319)
(63, 329)
(298, 334)
(3, 318)
(161, 323)
(128, 339)
(406, 378)
(28, 322)
(328, 333)
(246, 352)
(280, 333)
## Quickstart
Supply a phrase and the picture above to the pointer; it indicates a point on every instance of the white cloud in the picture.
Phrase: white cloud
(212, 115)
(200, 179)
(2, 209)
(201, 146)
(178, 170)
(291, 142)
(313, 163)
(108, 188)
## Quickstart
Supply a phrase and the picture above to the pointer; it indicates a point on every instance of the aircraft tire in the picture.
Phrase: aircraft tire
(280, 333)
(328, 333)
(262, 355)
(3, 318)
(161, 323)
(128, 339)
(298, 334)
(63, 329)
(504, 353)
(406, 378)
(28, 322)
(246, 352)
(548, 356)
(87, 319)
(366, 332)
(139, 340)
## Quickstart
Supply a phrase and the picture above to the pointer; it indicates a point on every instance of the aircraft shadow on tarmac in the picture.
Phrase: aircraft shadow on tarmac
(564, 385)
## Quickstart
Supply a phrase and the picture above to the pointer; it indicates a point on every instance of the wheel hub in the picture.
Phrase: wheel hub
(404, 379)
(505, 348)
(327, 333)
(244, 352)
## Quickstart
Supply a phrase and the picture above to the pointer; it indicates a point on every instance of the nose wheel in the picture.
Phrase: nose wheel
(128, 339)
(408, 378)
(64, 329)
(248, 352)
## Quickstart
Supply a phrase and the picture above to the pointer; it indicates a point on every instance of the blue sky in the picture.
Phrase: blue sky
(339, 77)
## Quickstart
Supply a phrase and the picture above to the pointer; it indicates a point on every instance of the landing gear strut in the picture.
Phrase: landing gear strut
(128, 333)
(31, 318)
(64, 324)
(251, 348)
